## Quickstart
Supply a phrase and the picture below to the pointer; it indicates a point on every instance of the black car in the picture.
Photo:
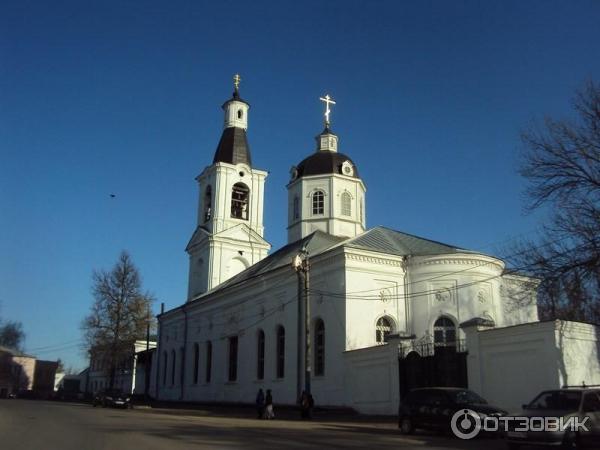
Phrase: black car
(579, 403)
(113, 398)
(433, 408)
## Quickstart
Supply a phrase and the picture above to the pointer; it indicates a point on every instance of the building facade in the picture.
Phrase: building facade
(243, 325)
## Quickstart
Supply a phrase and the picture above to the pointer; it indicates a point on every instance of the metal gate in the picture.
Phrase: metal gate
(430, 365)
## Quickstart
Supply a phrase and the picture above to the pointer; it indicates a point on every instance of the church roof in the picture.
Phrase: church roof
(233, 147)
(323, 162)
(386, 240)
(314, 243)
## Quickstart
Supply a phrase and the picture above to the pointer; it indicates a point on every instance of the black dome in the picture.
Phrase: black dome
(233, 147)
(323, 162)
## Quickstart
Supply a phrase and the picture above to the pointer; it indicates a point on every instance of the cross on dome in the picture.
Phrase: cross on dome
(328, 101)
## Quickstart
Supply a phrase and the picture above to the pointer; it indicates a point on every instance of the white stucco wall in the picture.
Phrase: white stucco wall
(509, 366)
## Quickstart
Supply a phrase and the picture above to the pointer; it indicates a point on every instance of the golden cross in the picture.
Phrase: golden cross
(236, 81)
(328, 101)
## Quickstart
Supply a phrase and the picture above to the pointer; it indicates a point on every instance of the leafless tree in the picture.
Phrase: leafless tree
(561, 163)
(119, 316)
(12, 335)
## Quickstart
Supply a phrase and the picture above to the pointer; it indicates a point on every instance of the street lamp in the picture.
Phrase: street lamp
(301, 265)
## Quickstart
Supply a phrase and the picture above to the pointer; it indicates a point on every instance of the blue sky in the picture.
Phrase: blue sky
(124, 97)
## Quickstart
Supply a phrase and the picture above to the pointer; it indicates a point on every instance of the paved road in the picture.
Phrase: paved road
(39, 425)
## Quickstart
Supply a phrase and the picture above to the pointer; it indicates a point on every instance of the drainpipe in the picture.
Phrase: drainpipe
(408, 325)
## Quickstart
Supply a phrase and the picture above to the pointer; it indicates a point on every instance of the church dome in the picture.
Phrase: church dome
(325, 162)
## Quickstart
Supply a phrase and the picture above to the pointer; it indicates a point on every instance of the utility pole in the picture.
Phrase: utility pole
(301, 264)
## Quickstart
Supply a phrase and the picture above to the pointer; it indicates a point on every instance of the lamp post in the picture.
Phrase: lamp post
(301, 265)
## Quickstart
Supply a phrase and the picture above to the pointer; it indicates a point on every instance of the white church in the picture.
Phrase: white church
(380, 302)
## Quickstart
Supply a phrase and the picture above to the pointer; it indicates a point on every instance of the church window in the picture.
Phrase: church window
(164, 378)
(383, 328)
(260, 355)
(240, 113)
(196, 362)
(239, 201)
(173, 358)
(280, 352)
(233, 357)
(318, 203)
(207, 203)
(208, 361)
(296, 207)
(444, 333)
(346, 204)
(319, 348)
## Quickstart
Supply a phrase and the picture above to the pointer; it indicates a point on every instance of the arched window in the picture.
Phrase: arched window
(240, 114)
(444, 333)
(296, 208)
(382, 329)
(260, 355)
(239, 201)
(164, 378)
(173, 358)
(318, 203)
(207, 203)
(233, 357)
(280, 352)
(319, 347)
(208, 361)
(346, 204)
(196, 362)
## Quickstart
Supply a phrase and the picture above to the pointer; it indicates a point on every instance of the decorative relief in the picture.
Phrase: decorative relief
(385, 295)
(373, 260)
(482, 296)
(443, 295)
(459, 261)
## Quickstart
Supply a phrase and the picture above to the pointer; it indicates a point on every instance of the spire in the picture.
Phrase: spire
(233, 146)
(327, 141)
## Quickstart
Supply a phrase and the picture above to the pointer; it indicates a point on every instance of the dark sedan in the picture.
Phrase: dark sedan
(112, 398)
(433, 408)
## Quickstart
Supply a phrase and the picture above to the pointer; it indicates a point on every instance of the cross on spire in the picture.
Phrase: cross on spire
(236, 81)
(328, 101)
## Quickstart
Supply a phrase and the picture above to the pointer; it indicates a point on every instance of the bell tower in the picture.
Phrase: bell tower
(229, 234)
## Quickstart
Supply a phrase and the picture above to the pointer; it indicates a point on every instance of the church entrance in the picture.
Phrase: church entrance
(431, 365)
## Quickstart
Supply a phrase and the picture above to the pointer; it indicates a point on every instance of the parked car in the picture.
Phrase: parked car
(433, 408)
(566, 403)
(112, 397)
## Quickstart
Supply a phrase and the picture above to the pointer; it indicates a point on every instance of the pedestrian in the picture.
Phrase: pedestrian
(260, 404)
(303, 405)
(269, 413)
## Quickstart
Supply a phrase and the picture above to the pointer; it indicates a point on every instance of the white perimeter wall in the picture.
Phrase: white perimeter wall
(510, 366)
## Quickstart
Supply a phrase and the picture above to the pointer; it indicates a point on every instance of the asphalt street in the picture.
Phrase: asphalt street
(40, 425)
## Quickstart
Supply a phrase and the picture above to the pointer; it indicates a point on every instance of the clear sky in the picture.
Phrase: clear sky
(122, 97)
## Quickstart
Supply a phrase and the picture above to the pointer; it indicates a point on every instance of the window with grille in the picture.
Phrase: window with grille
(319, 348)
(382, 329)
(260, 355)
(233, 357)
(444, 332)
(239, 201)
(318, 203)
(196, 362)
(346, 204)
(208, 361)
(280, 352)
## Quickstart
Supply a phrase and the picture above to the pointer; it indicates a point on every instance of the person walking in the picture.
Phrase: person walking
(269, 413)
(260, 404)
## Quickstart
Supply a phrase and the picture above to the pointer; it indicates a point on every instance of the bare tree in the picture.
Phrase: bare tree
(12, 335)
(119, 315)
(561, 162)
